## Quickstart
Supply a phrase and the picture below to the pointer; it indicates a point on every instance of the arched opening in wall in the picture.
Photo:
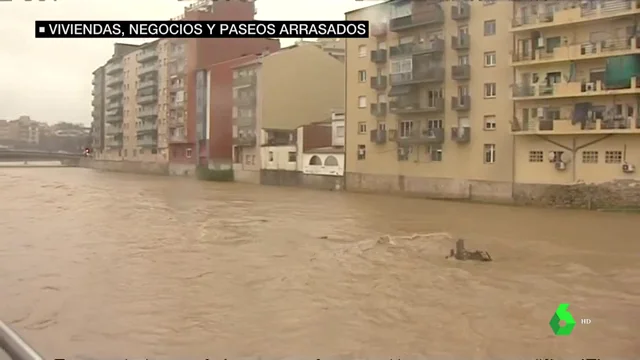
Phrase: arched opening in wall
(331, 161)
(315, 160)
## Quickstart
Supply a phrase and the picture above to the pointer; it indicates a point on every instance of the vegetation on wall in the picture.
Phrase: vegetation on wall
(206, 174)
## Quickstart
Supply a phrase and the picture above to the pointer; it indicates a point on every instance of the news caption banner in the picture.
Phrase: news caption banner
(201, 29)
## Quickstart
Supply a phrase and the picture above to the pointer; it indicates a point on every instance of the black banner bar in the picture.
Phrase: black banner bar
(201, 29)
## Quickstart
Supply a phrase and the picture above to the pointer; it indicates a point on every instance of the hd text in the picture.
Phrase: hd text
(201, 29)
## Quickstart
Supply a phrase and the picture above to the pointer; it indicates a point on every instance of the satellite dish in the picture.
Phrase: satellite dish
(566, 157)
(552, 156)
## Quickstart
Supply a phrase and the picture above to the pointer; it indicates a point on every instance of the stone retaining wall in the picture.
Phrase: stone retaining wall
(135, 167)
(299, 179)
(614, 194)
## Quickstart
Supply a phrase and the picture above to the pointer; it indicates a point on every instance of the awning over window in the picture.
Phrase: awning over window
(399, 90)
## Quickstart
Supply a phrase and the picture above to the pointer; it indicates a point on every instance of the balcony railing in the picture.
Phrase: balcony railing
(431, 15)
(113, 130)
(461, 72)
(114, 80)
(147, 127)
(147, 55)
(379, 82)
(147, 84)
(246, 100)
(245, 140)
(461, 134)
(461, 103)
(422, 137)
(148, 112)
(461, 42)
(113, 92)
(378, 136)
(379, 109)
(245, 80)
(177, 68)
(413, 105)
(433, 74)
(147, 69)
(461, 11)
(379, 56)
(575, 88)
(177, 138)
(114, 67)
(148, 141)
(113, 105)
(147, 99)
(586, 50)
(575, 12)
(417, 48)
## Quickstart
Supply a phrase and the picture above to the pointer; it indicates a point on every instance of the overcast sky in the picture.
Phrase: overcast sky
(50, 79)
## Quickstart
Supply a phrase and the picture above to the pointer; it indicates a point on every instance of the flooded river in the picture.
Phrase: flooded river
(103, 265)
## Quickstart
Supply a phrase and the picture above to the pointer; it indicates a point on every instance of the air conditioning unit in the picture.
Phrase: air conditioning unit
(560, 165)
(628, 168)
(540, 43)
(540, 112)
(590, 86)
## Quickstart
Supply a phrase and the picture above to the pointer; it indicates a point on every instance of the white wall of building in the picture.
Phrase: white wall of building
(308, 168)
(277, 158)
(337, 132)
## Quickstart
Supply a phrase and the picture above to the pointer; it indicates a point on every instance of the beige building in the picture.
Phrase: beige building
(576, 91)
(434, 95)
(275, 94)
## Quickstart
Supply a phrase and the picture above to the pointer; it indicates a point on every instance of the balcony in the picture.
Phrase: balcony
(462, 11)
(114, 80)
(114, 93)
(113, 130)
(145, 84)
(461, 42)
(114, 67)
(246, 101)
(177, 69)
(461, 134)
(379, 109)
(148, 141)
(147, 127)
(378, 136)
(461, 72)
(379, 29)
(462, 103)
(433, 15)
(113, 143)
(417, 48)
(177, 138)
(176, 86)
(575, 13)
(422, 137)
(432, 74)
(147, 99)
(247, 80)
(379, 56)
(581, 51)
(245, 121)
(244, 140)
(150, 54)
(176, 121)
(413, 105)
(114, 118)
(379, 82)
(147, 69)
(148, 112)
(545, 126)
(580, 88)
(113, 105)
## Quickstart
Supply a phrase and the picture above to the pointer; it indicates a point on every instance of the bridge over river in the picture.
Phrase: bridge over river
(17, 155)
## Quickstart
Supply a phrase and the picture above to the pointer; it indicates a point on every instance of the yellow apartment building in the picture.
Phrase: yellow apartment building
(427, 100)
(280, 91)
(576, 91)
(137, 104)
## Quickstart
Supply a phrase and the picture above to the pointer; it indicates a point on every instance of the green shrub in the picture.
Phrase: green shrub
(203, 173)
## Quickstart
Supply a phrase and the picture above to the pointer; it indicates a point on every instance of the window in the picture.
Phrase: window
(362, 102)
(536, 156)
(339, 131)
(435, 153)
(331, 161)
(362, 76)
(489, 27)
(270, 156)
(489, 90)
(463, 60)
(362, 128)
(489, 122)
(434, 124)
(613, 157)
(590, 157)
(406, 127)
(489, 153)
(362, 152)
(188, 153)
(488, 2)
(253, 159)
(401, 66)
(315, 161)
(490, 59)
(293, 156)
(362, 51)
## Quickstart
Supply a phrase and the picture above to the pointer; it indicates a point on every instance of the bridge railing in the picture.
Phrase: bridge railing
(14, 346)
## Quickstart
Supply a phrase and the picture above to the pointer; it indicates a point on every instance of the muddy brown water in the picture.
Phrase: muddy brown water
(102, 265)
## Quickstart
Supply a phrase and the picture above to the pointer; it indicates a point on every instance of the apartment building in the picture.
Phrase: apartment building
(176, 71)
(280, 91)
(427, 99)
(4, 130)
(576, 91)
(114, 95)
(98, 110)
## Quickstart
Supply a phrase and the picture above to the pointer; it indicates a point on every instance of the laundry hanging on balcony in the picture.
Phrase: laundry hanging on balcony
(619, 71)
